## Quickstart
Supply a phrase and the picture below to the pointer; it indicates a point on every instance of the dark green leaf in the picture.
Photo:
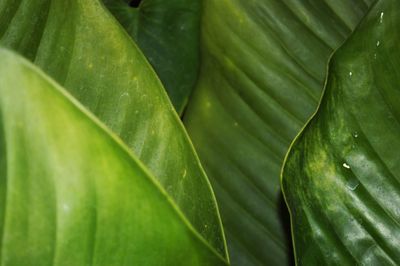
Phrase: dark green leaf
(71, 193)
(341, 177)
(262, 74)
(168, 34)
(81, 46)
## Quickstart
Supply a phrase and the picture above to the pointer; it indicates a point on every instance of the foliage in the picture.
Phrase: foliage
(96, 167)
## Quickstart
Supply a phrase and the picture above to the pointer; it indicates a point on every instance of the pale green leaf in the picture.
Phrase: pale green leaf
(71, 193)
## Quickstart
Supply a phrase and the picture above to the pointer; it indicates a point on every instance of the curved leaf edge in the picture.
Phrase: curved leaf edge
(307, 125)
(119, 143)
(134, 12)
(182, 127)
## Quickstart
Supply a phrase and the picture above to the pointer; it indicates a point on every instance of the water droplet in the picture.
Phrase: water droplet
(378, 43)
(375, 56)
(345, 165)
(350, 74)
(352, 184)
(381, 18)
(355, 134)
(236, 124)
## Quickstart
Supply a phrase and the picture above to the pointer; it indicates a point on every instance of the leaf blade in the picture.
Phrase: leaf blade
(349, 177)
(168, 34)
(262, 74)
(80, 45)
(70, 193)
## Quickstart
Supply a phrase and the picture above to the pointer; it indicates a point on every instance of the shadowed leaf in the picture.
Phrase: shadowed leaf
(168, 34)
(263, 67)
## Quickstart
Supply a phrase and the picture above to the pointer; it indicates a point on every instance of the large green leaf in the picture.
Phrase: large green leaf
(168, 34)
(341, 178)
(71, 193)
(263, 67)
(81, 46)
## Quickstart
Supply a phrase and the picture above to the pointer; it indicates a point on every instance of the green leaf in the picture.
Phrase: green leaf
(168, 34)
(263, 67)
(341, 177)
(71, 193)
(80, 45)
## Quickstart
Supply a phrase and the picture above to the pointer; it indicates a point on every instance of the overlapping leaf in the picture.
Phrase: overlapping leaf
(263, 67)
(168, 34)
(341, 178)
(71, 194)
(81, 46)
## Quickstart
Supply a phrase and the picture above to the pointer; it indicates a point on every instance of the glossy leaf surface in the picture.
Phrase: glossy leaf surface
(341, 178)
(168, 34)
(71, 193)
(263, 67)
(82, 47)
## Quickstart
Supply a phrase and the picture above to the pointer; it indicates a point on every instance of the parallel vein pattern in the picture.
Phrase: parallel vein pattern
(341, 178)
(82, 47)
(263, 67)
